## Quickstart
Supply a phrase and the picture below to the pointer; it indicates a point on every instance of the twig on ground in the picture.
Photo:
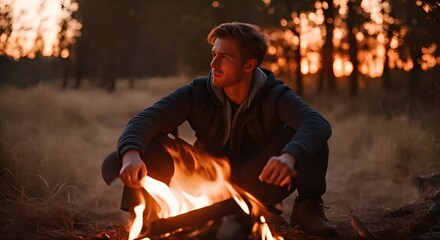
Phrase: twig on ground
(360, 228)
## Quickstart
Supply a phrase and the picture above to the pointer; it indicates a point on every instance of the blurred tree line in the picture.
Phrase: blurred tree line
(133, 39)
(407, 30)
(136, 39)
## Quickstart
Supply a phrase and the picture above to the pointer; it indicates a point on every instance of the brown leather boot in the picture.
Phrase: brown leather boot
(309, 216)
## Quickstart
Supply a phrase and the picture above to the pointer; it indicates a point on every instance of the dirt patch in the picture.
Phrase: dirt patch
(408, 222)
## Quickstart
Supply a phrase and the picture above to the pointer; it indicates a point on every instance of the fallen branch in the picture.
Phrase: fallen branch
(360, 228)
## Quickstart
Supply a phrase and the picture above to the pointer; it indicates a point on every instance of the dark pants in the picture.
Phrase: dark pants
(310, 181)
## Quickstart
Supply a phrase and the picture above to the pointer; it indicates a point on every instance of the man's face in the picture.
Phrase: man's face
(227, 63)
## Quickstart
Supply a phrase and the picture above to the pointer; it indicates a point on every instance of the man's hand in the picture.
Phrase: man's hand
(133, 169)
(279, 170)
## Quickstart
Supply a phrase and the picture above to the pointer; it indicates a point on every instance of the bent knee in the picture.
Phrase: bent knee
(110, 167)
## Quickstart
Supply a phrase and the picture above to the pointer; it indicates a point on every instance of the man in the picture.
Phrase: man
(275, 142)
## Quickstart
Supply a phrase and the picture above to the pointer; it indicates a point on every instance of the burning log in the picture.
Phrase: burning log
(197, 218)
(200, 202)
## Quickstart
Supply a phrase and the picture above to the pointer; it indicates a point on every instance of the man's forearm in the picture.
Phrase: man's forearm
(163, 116)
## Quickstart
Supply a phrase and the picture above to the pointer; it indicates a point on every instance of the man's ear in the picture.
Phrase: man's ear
(250, 64)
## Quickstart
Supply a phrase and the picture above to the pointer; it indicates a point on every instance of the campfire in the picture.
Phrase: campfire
(200, 202)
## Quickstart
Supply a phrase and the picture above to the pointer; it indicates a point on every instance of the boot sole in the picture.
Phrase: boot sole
(317, 233)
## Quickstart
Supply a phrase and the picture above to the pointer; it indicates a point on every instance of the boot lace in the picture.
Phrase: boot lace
(319, 207)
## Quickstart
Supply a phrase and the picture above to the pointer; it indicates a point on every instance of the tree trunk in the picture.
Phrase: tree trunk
(66, 66)
(107, 71)
(290, 72)
(414, 74)
(354, 87)
(297, 57)
(4, 71)
(327, 72)
(130, 82)
(415, 50)
(299, 76)
(78, 79)
(386, 78)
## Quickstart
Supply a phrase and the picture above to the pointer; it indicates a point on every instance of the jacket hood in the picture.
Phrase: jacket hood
(262, 80)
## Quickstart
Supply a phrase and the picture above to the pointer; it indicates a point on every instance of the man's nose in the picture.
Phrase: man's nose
(214, 62)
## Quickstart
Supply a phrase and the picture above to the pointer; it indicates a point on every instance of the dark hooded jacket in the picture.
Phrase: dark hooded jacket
(267, 110)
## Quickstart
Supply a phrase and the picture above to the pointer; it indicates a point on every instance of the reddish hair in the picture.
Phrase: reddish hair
(253, 43)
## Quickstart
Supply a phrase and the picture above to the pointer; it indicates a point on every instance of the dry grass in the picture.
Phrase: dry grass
(401, 142)
(378, 148)
(52, 143)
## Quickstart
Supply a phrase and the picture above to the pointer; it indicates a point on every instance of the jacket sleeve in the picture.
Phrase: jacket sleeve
(163, 116)
(312, 129)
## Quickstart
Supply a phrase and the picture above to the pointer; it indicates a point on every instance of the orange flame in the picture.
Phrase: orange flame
(265, 231)
(138, 222)
(197, 182)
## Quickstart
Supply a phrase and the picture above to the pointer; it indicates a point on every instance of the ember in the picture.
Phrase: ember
(200, 201)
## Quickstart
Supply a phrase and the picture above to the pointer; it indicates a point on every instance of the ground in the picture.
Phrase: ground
(409, 222)
(53, 142)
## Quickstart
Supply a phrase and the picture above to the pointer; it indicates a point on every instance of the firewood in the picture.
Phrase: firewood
(200, 216)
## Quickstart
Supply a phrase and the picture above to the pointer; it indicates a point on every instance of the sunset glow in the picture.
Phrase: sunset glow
(371, 56)
(36, 26)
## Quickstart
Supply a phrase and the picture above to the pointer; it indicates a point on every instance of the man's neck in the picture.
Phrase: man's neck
(238, 92)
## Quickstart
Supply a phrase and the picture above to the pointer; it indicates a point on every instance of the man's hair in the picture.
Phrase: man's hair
(253, 43)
